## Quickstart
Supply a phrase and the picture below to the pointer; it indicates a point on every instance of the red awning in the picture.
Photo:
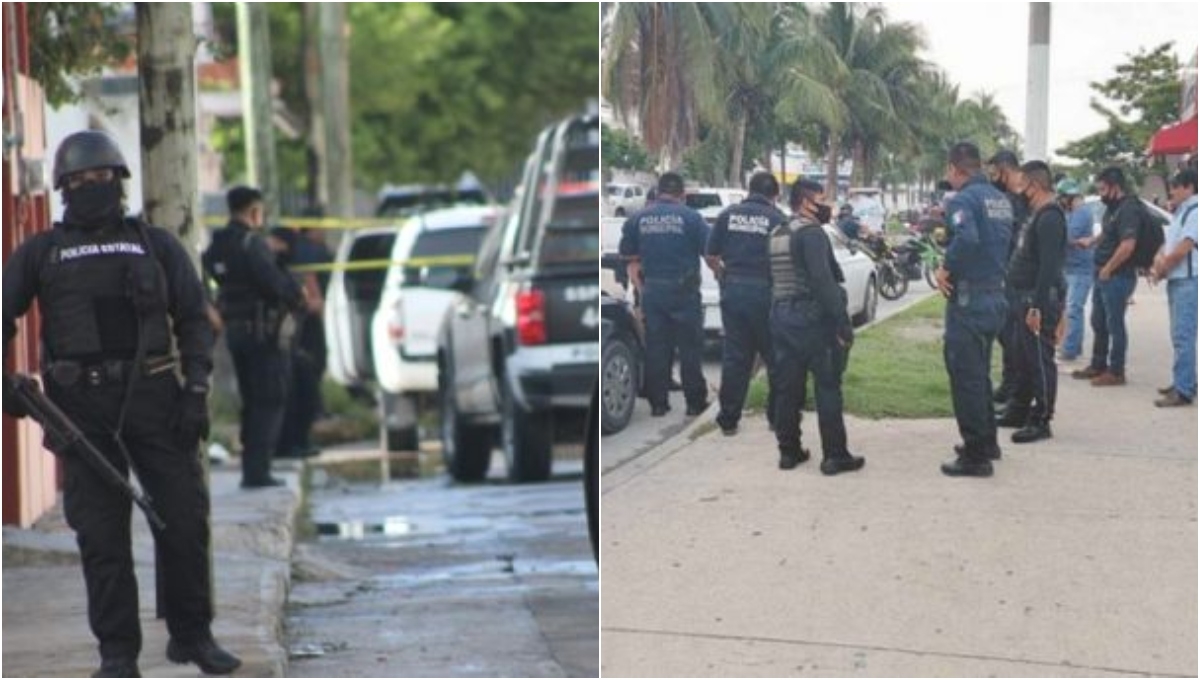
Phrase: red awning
(1176, 139)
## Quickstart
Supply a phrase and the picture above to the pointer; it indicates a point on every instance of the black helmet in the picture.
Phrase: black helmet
(87, 150)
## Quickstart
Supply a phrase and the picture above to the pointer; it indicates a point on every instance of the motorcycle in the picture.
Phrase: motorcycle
(890, 280)
(919, 256)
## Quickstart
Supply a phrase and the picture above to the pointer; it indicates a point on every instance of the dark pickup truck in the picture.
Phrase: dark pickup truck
(517, 352)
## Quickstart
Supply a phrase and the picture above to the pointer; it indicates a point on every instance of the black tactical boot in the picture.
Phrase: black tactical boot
(963, 466)
(204, 653)
(991, 450)
(117, 668)
(697, 409)
(844, 463)
(790, 459)
(1013, 415)
(660, 410)
(1037, 429)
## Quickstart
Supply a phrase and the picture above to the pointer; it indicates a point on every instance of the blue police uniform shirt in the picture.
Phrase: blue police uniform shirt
(669, 238)
(1079, 225)
(740, 237)
(981, 222)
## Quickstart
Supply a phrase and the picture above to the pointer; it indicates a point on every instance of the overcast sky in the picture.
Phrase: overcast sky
(983, 47)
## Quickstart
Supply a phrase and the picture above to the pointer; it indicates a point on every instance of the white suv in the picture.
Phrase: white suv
(625, 198)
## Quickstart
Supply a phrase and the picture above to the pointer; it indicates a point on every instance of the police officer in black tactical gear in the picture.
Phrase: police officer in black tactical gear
(737, 251)
(255, 298)
(123, 313)
(663, 244)
(1005, 174)
(810, 331)
(1035, 277)
(972, 277)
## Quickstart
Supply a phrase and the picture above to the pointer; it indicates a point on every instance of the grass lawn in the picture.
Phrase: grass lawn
(896, 368)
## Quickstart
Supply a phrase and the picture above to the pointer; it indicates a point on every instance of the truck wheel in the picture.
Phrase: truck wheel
(466, 450)
(526, 437)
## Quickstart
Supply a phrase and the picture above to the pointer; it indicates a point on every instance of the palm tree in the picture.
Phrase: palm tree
(870, 69)
(658, 65)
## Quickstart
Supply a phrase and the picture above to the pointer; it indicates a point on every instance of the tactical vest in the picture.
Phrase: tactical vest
(787, 281)
(226, 262)
(97, 289)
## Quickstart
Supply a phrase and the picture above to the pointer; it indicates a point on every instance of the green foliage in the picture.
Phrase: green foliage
(1141, 98)
(438, 89)
(72, 39)
(620, 149)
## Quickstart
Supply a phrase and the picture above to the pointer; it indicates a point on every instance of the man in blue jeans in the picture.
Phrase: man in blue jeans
(1115, 280)
(1079, 268)
(1177, 264)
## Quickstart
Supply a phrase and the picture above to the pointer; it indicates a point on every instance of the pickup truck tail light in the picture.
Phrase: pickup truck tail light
(395, 325)
(531, 317)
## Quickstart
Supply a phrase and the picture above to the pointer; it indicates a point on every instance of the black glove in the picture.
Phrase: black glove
(12, 405)
(191, 417)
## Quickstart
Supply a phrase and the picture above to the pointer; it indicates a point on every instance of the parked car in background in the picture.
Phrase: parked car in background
(868, 207)
(624, 198)
(410, 199)
(355, 288)
(432, 252)
(710, 201)
(517, 352)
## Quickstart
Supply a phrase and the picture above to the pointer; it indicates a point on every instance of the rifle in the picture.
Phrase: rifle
(62, 435)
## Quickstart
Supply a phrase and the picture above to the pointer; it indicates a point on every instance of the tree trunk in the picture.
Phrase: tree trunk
(335, 92)
(831, 166)
(167, 120)
(739, 148)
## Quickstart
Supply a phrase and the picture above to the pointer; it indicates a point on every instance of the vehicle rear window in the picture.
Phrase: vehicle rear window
(366, 285)
(701, 201)
(457, 246)
(573, 233)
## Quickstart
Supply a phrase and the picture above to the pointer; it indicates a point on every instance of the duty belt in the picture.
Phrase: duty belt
(68, 373)
(743, 279)
(792, 300)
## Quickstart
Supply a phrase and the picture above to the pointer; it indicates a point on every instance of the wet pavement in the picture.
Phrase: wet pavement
(429, 578)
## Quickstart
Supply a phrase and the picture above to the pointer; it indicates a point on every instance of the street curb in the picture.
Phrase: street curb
(617, 477)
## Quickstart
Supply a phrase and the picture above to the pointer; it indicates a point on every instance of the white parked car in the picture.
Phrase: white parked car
(862, 297)
(625, 199)
(710, 201)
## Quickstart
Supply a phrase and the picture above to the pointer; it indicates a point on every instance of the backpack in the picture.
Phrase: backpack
(1150, 237)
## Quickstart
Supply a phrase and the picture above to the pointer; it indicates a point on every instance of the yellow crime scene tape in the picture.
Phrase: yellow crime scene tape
(323, 222)
(363, 265)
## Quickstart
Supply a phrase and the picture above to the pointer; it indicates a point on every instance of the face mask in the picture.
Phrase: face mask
(823, 213)
(93, 205)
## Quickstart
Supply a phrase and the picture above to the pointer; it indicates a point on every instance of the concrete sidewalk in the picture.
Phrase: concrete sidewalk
(45, 615)
(1077, 559)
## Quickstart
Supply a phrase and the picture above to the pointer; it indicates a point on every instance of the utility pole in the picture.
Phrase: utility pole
(254, 70)
(335, 96)
(1037, 94)
(166, 50)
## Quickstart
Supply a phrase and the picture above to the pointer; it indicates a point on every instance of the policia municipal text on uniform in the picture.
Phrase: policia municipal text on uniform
(112, 292)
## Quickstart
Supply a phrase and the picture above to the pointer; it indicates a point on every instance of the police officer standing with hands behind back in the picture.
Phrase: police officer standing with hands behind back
(254, 300)
(810, 331)
(112, 290)
(663, 244)
(737, 251)
(972, 276)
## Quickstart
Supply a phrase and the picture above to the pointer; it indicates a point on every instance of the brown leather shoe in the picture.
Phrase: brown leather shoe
(1086, 373)
(1107, 379)
(1172, 398)
(1166, 390)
